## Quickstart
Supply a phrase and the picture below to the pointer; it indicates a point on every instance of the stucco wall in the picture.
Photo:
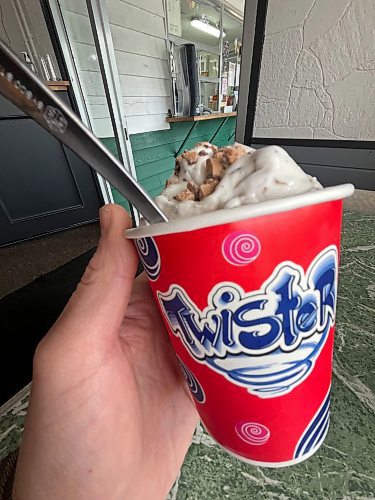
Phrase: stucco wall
(318, 70)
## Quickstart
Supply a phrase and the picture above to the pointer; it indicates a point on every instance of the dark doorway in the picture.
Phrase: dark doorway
(44, 187)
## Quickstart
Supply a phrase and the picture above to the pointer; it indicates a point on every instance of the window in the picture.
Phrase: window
(216, 34)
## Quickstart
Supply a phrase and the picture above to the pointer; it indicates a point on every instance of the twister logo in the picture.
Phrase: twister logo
(150, 257)
(316, 431)
(266, 340)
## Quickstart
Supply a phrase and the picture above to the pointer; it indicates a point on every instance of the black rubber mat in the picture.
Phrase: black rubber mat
(26, 315)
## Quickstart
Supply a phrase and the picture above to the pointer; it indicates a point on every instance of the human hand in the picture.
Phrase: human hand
(109, 416)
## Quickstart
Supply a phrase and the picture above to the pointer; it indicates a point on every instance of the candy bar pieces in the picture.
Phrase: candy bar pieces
(214, 168)
(194, 188)
(190, 156)
(177, 165)
(231, 154)
(184, 195)
(198, 171)
(219, 155)
(172, 180)
(229, 177)
(207, 188)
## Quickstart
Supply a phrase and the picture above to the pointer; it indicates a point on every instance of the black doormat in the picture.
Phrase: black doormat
(26, 315)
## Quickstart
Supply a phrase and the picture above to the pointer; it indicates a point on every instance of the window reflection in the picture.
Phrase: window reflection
(208, 15)
(208, 64)
(216, 34)
(209, 96)
(231, 61)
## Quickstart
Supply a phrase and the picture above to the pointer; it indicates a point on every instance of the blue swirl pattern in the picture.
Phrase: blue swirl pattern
(315, 433)
(272, 378)
(150, 257)
(194, 386)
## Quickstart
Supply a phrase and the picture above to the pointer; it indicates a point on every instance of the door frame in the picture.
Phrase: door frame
(60, 42)
(351, 160)
(101, 30)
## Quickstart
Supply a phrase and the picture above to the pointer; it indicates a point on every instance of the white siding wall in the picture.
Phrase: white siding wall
(138, 32)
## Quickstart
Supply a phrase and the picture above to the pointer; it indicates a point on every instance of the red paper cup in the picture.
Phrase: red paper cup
(248, 296)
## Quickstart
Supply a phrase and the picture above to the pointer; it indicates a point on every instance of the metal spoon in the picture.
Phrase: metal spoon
(24, 89)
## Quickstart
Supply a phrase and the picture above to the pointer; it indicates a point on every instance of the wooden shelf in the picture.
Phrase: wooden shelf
(199, 118)
(58, 85)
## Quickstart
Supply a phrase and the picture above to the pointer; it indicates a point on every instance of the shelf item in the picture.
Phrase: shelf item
(213, 116)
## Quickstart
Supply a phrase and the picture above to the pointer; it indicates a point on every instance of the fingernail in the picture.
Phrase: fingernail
(105, 218)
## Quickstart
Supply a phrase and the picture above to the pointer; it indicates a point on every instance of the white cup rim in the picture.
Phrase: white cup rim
(229, 215)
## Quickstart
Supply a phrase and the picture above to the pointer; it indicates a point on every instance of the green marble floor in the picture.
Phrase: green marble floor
(344, 468)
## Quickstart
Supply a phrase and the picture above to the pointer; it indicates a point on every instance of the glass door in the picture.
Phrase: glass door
(84, 32)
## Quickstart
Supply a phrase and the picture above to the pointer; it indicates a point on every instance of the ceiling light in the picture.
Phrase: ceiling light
(207, 27)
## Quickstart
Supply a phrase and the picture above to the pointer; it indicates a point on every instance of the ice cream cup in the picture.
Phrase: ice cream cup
(248, 296)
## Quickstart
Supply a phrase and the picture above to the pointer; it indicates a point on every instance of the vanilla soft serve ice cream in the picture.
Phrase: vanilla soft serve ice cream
(207, 178)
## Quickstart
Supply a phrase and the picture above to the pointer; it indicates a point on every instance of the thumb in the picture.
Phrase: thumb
(99, 303)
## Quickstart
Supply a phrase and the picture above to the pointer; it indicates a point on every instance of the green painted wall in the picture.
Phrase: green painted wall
(154, 152)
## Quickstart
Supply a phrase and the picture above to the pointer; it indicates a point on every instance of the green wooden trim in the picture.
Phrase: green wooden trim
(117, 197)
(151, 183)
(156, 192)
(152, 139)
(232, 135)
(219, 129)
(110, 144)
(159, 166)
(164, 176)
(154, 152)
(176, 133)
(191, 131)
(168, 149)
(150, 155)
